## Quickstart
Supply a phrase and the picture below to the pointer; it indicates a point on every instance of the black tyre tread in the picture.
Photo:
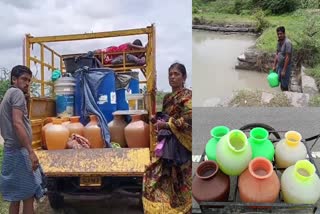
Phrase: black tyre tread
(262, 125)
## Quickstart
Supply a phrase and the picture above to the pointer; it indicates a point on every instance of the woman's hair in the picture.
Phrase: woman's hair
(180, 67)
(19, 70)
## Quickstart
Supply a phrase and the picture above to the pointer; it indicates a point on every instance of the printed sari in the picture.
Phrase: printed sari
(167, 187)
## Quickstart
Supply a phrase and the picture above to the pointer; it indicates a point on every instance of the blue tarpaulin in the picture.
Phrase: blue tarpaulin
(88, 82)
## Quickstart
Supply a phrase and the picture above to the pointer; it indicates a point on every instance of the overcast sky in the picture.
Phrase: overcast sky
(172, 19)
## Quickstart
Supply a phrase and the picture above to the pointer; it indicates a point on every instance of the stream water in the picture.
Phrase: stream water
(214, 77)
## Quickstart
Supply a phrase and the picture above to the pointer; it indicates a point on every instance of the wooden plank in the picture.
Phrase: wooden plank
(126, 68)
(73, 37)
(39, 61)
(51, 50)
(42, 69)
(44, 82)
(99, 162)
(102, 54)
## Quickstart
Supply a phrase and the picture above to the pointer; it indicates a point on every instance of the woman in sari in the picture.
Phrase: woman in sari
(167, 181)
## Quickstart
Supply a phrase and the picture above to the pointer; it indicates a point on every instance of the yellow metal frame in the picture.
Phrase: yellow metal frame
(149, 69)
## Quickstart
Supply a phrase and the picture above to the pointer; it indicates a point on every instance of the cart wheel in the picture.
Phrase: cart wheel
(262, 125)
(56, 200)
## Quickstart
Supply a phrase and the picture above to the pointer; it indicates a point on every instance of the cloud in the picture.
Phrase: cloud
(57, 17)
(21, 4)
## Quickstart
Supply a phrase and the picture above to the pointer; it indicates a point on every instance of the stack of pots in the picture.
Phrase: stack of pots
(136, 134)
(231, 153)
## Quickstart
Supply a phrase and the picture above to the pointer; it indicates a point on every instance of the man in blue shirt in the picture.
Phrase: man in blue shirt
(283, 59)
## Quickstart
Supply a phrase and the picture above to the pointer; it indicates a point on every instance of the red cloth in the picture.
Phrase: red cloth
(113, 49)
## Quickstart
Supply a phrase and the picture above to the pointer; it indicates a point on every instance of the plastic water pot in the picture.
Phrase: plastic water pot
(300, 184)
(216, 133)
(259, 182)
(260, 144)
(273, 79)
(289, 150)
(234, 153)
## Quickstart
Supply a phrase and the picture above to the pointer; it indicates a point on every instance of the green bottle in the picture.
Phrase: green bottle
(260, 144)
(216, 133)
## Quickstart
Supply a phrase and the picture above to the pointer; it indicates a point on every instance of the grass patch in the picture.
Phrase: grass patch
(247, 98)
(279, 100)
(252, 98)
(315, 101)
(294, 23)
(4, 206)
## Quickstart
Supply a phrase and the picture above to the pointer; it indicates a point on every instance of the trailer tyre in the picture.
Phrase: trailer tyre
(56, 200)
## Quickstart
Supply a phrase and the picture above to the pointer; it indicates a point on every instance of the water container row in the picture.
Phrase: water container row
(286, 152)
(110, 93)
(60, 133)
(231, 153)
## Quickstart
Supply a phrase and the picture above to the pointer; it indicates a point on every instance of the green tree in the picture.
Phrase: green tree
(4, 81)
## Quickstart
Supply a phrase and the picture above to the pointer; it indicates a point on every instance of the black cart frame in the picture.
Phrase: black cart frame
(234, 205)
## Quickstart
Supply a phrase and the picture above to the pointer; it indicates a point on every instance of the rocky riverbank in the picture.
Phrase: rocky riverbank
(225, 28)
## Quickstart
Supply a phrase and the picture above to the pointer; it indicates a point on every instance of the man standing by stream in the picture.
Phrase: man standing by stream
(283, 59)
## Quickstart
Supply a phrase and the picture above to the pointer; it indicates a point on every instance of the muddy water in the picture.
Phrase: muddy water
(214, 77)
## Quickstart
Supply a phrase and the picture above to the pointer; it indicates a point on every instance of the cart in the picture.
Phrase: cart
(234, 204)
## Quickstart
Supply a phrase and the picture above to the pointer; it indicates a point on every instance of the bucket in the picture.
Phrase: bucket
(273, 79)
(126, 83)
(64, 89)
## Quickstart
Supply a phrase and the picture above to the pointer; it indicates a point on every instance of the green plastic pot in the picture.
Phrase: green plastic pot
(260, 144)
(216, 133)
(273, 79)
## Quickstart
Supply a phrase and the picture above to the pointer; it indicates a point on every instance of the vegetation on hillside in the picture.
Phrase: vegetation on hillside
(301, 19)
(4, 81)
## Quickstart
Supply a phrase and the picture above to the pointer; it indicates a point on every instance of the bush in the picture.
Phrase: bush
(4, 81)
(243, 7)
(262, 22)
(276, 6)
(246, 12)
(237, 6)
(308, 42)
(309, 4)
(4, 86)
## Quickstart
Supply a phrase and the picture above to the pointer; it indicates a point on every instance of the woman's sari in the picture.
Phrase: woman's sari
(167, 187)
